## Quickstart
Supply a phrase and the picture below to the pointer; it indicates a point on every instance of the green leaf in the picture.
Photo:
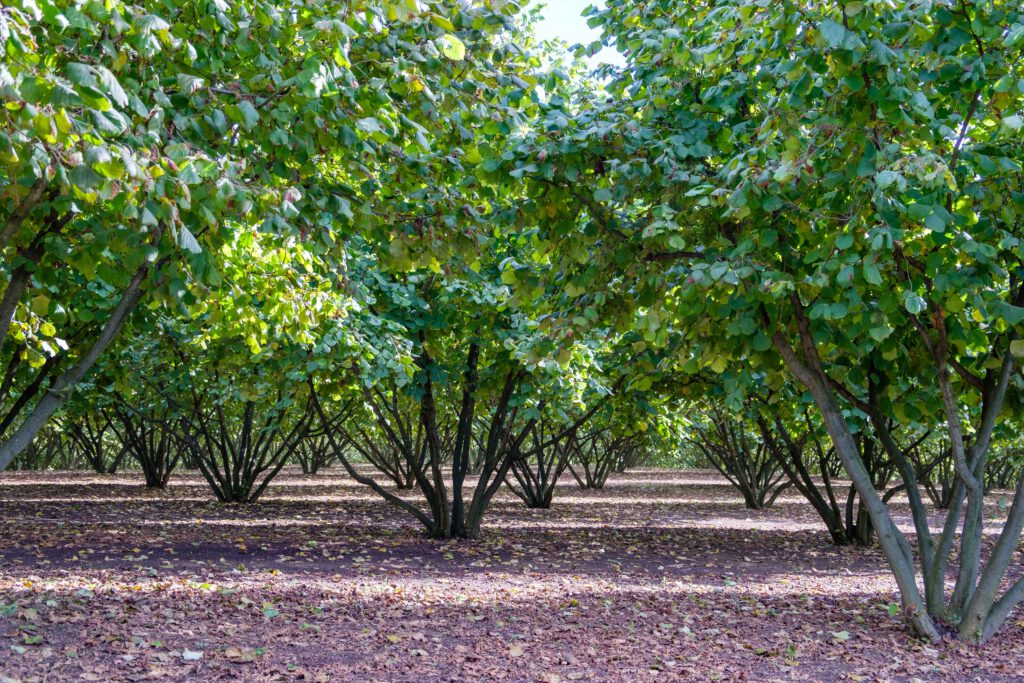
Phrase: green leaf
(880, 333)
(738, 198)
(761, 342)
(189, 84)
(398, 250)
(250, 114)
(94, 97)
(1013, 123)
(935, 223)
(147, 218)
(919, 211)
(884, 179)
(80, 74)
(839, 37)
(1015, 36)
(837, 311)
(369, 125)
(1013, 315)
(913, 303)
(109, 82)
(872, 274)
(188, 241)
(84, 177)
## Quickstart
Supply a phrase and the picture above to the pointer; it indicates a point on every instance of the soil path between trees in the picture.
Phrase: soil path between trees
(663, 575)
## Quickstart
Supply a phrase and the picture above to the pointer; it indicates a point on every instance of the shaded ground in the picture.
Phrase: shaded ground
(662, 576)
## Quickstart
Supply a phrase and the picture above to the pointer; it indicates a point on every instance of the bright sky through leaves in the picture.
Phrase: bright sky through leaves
(564, 20)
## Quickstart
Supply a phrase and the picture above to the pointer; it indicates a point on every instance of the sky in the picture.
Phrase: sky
(563, 19)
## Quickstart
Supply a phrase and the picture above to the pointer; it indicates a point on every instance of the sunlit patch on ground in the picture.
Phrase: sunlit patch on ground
(662, 576)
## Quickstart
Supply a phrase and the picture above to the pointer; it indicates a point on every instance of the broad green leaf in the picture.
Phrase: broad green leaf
(839, 37)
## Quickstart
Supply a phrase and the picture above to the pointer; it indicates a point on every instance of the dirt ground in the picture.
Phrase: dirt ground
(663, 575)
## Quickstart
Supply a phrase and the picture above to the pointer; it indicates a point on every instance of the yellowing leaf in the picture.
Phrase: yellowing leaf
(452, 48)
(40, 304)
(443, 22)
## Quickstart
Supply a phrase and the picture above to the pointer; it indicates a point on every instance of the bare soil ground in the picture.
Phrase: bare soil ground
(663, 575)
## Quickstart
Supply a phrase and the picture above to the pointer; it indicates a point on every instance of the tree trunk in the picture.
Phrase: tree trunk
(58, 392)
(894, 544)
